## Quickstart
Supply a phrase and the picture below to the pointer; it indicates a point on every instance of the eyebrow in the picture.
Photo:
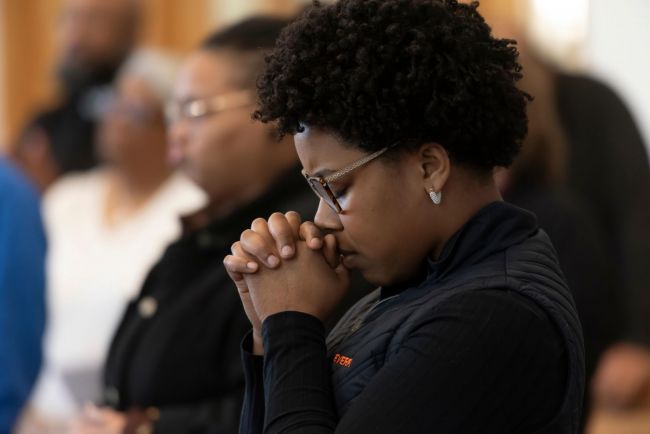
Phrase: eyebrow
(180, 100)
(323, 173)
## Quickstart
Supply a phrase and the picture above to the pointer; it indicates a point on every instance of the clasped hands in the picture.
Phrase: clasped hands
(282, 264)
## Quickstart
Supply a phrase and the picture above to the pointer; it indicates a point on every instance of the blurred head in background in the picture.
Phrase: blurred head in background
(94, 37)
(583, 138)
(33, 153)
(213, 137)
(543, 157)
(132, 135)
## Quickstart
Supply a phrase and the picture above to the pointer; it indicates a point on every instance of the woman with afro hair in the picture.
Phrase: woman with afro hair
(400, 110)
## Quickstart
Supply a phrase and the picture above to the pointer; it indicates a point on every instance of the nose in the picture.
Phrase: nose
(177, 137)
(326, 218)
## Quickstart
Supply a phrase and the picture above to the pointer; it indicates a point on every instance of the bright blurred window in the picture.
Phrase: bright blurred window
(559, 29)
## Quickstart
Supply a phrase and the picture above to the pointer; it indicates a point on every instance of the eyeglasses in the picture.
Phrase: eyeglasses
(199, 108)
(321, 186)
(135, 114)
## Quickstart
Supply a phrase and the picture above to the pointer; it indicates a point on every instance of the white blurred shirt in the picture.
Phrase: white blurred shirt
(93, 271)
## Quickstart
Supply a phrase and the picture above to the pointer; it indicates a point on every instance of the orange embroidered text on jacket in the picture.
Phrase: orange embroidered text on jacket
(339, 359)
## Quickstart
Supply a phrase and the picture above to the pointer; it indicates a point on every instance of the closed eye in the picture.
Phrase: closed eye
(339, 192)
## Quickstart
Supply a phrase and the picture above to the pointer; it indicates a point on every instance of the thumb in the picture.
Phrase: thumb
(235, 276)
(239, 280)
(343, 275)
(330, 251)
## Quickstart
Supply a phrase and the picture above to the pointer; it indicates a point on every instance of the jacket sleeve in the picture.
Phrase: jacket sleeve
(217, 417)
(613, 144)
(22, 304)
(219, 414)
(252, 416)
(630, 202)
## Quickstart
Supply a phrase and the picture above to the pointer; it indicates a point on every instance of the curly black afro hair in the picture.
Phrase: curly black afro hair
(376, 72)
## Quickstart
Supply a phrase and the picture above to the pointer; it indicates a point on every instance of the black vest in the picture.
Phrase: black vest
(499, 248)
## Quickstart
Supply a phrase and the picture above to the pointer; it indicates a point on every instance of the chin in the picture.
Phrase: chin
(375, 277)
(382, 276)
(200, 181)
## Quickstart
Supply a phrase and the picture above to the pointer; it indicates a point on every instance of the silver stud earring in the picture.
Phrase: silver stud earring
(436, 198)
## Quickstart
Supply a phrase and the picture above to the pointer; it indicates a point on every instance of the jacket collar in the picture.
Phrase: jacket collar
(494, 228)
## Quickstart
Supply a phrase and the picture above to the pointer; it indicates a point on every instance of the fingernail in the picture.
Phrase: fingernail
(315, 242)
(273, 261)
(287, 251)
(251, 266)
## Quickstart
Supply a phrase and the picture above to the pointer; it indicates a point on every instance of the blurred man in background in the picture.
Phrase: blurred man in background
(595, 150)
(22, 281)
(94, 38)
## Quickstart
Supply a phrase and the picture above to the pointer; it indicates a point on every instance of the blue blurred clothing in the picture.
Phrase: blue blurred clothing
(22, 285)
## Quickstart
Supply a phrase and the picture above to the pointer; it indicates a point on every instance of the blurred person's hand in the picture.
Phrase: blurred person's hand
(96, 420)
(622, 379)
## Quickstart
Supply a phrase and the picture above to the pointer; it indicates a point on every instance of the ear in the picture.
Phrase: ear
(435, 166)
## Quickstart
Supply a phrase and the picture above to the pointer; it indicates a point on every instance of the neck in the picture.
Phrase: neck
(142, 181)
(129, 190)
(265, 174)
(221, 206)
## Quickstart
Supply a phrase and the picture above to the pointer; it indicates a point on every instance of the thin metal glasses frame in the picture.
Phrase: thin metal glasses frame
(320, 185)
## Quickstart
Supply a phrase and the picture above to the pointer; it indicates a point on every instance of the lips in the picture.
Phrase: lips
(348, 259)
(347, 256)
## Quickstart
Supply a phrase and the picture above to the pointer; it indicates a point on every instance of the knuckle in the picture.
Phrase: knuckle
(276, 216)
(281, 230)
(247, 235)
(258, 222)
(251, 242)
(293, 215)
